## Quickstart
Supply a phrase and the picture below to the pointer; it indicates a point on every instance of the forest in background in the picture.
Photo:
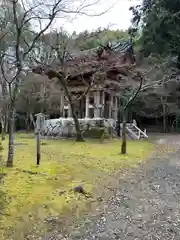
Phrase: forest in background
(155, 32)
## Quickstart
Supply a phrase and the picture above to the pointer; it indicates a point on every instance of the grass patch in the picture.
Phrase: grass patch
(35, 193)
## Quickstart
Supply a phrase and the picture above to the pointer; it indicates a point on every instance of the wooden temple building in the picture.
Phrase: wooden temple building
(94, 79)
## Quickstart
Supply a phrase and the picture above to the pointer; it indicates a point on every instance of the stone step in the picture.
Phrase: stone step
(135, 130)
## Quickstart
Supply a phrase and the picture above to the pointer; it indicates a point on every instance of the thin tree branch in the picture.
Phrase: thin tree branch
(131, 99)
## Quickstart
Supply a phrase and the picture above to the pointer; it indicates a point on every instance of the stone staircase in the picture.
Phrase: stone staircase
(134, 132)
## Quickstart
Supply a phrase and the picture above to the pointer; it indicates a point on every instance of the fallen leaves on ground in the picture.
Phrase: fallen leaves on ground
(35, 194)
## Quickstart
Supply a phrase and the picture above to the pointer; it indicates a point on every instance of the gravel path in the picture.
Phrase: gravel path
(144, 206)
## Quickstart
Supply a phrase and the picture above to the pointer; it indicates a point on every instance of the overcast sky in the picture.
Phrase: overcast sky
(118, 17)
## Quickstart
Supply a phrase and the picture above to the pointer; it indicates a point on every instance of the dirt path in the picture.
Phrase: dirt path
(144, 206)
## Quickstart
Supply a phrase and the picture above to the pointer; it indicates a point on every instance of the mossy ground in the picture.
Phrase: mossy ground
(30, 198)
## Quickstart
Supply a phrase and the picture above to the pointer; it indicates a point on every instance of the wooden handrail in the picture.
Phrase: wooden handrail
(140, 131)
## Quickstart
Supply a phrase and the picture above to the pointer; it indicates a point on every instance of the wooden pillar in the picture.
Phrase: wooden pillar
(116, 108)
(103, 103)
(69, 111)
(97, 102)
(87, 106)
(110, 105)
(62, 105)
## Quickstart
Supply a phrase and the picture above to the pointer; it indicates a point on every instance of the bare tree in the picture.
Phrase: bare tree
(67, 66)
(4, 38)
(28, 15)
(35, 95)
(4, 102)
(57, 52)
(152, 79)
(129, 101)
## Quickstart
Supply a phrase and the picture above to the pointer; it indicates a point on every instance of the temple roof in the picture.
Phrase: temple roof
(103, 58)
(113, 58)
(120, 47)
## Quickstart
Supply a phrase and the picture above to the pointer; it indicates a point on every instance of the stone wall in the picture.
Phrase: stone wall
(64, 127)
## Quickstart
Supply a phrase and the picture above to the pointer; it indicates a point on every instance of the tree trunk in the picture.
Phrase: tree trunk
(11, 137)
(118, 126)
(164, 118)
(27, 123)
(178, 61)
(38, 157)
(2, 129)
(123, 145)
(79, 137)
(164, 124)
(6, 123)
(3, 119)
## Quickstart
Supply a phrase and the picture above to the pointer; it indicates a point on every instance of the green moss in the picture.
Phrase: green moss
(64, 165)
(96, 133)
